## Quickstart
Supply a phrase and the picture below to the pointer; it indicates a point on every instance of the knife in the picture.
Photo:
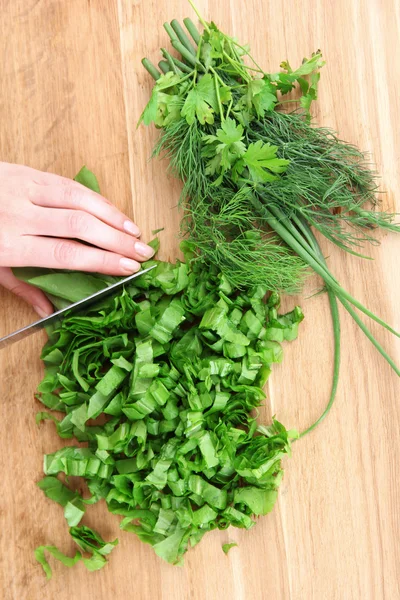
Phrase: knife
(20, 334)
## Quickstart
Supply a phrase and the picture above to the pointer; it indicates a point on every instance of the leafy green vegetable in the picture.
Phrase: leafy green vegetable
(56, 553)
(71, 501)
(201, 102)
(227, 547)
(174, 365)
(88, 541)
(260, 158)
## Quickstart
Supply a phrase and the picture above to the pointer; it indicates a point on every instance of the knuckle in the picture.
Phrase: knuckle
(123, 243)
(71, 194)
(18, 289)
(33, 193)
(65, 253)
(103, 261)
(78, 223)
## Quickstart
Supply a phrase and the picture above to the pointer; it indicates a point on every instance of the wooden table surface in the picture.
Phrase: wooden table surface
(72, 89)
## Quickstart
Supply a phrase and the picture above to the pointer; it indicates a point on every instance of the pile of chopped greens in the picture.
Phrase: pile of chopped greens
(256, 177)
(160, 384)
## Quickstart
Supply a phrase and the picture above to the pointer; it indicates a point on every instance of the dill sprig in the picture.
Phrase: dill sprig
(227, 235)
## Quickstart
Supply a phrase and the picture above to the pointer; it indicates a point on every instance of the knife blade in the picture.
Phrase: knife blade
(22, 333)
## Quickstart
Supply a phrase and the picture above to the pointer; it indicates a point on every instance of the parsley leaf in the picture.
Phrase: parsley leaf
(150, 111)
(261, 161)
(261, 95)
(168, 109)
(216, 40)
(224, 148)
(310, 94)
(162, 107)
(285, 81)
(201, 102)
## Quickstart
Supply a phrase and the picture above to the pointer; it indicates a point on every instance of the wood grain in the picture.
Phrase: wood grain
(71, 93)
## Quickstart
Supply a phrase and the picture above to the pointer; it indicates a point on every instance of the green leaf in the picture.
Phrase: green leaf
(262, 96)
(285, 81)
(227, 547)
(88, 179)
(201, 102)
(90, 541)
(149, 113)
(162, 108)
(261, 161)
(73, 512)
(69, 286)
(311, 94)
(225, 147)
(94, 562)
(308, 66)
(207, 449)
(258, 500)
(58, 555)
(56, 490)
(170, 548)
(167, 81)
(206, 55)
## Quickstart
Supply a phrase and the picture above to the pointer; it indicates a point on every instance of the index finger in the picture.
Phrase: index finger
(56, 191)
(60, 192)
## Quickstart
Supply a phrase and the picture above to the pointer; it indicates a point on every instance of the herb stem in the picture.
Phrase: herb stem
(285, 231)
(245, 51)
(320, 268)
(196, 10)
(221, 110)
(369, 335)
(188, 56)
(183, 38)
(170, 60)
(243, 73)
(229, 108)
(182, 66)
(172, 35)
(151, 69)
(192, 29)
(309, 236)
(214, 72)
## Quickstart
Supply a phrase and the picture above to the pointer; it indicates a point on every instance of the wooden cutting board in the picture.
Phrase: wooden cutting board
(72, 89)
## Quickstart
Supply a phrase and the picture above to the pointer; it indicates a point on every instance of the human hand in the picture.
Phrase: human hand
(41, 217)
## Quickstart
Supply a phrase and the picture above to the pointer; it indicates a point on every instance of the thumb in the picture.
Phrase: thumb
(29, 293)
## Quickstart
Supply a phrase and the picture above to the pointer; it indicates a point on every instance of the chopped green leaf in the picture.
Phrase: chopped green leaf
(227, 547)
(170, 369)
(57, 554)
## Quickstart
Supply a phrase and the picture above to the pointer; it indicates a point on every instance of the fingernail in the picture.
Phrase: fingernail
(131, 266)
(41, 312)
(131, 228)
(143, 250)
